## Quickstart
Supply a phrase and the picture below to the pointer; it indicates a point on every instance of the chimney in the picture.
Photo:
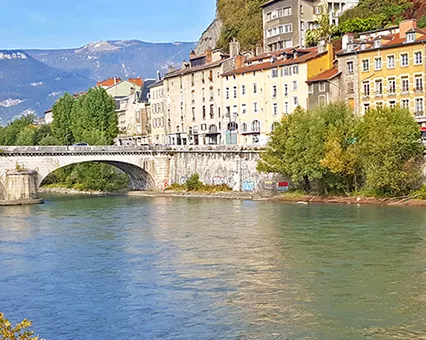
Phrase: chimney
(158, 76)
(209, 56)
(171, 68)
(405, 26)
(259, 50)
(239, 61)
(132, 90)
(234, 48)
(346, 40)
(192, 55)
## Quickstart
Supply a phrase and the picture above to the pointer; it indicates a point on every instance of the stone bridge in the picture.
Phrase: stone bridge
(23, 169)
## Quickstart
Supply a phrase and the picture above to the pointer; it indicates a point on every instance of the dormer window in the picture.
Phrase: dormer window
(411, 37)
(377, 43)
(350, 47)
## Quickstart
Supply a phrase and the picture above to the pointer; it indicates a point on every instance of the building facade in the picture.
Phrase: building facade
(390, 69)
(156, 100)
(285, 22)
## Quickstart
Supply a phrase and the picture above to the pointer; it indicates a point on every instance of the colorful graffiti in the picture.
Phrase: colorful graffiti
(248, 186)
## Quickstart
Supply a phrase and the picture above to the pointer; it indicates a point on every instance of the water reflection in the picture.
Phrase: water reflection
(211, 269)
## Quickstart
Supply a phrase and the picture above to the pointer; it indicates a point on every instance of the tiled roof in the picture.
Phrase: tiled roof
(326, 75)
(108, 82)
(136, 81)
(279, 52)
(183, 71)
(268, 65)
(394, 41)
(268, 3)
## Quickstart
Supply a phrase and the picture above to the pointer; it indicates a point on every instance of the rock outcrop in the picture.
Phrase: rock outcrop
(210, 36)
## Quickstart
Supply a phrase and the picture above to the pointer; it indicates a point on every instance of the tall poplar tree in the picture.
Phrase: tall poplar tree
(61, 125)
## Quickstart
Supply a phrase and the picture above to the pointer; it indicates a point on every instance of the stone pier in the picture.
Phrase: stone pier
(20, 188)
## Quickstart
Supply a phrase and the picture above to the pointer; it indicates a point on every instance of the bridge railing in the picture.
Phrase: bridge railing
(7, 150)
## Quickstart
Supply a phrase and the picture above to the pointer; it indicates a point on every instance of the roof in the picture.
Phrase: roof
(326, 75)
(184, 71)
(145, 90)
(108, 82)
(269, 64)
(157, 83)
(136, 81)
(286, 50)
(394, 40)
(270, 2)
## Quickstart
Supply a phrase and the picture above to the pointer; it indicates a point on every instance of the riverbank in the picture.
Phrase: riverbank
(250, 196)
(21, 202)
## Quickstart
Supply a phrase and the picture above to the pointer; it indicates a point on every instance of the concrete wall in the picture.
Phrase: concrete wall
(149, 168)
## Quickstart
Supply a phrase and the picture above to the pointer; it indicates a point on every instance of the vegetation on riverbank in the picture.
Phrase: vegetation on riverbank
(330, 150)
(20, 331)
(193, 184)
(89, 118)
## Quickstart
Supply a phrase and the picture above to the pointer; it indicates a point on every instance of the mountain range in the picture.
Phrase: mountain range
(32, 80)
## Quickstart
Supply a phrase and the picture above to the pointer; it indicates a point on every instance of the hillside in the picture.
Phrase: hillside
(27, 85)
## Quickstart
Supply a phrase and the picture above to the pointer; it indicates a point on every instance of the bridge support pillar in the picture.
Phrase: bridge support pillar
(20, 188)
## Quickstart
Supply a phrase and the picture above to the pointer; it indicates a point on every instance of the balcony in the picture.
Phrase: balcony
(378, 94)
(419, 113)
(418, 89)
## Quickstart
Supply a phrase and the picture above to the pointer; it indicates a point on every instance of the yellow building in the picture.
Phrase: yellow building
(388, 68)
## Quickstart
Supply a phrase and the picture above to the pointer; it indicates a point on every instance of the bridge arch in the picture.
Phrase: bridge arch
(140, 178)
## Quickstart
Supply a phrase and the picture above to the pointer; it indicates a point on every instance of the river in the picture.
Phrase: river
(163, 268)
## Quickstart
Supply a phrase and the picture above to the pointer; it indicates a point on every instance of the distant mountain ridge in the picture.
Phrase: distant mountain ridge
(32, 80)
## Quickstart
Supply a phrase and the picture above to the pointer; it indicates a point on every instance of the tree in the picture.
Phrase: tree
(324, 31)
(10, 133)
(315, 146)
(61, 125)
(26, 136)
(19, 332)
(391, 151)
(49, 140)
(93, 116)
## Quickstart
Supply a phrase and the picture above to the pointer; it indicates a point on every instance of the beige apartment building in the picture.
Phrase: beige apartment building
(259, 93)
(193, 99)
(156, 100)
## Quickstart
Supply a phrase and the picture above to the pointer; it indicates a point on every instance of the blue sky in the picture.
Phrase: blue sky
(61, 24)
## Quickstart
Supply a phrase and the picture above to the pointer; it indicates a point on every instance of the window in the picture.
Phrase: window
(294, 85)
(322, 86)
(378, 63)
(255, 110)
(204, 112)
(418, 83)
(350, 67)
(193, 114)
(254, 88)
(405, 103)
(203, 127)
(391, 86)
(243, 108)
(392, 104)
(244, 127)
(235, 92)
(285, 69)
(311, 88)
(418, 58)
(296, 69)
(275, 109)
(211, 111)
(391, 61)
(286, 108)
(274, 91)
(378, 87)
(405, 84)
(269, 16)
(404, 59)
(295, 101)
(350, 87)
(243, 90)
(287, 11)
(285, 90)
(321, 100)
(411, 37)
(255, 126)
(288, 28)
(366, 107)
(274, 73)
(366, 87)
(317, 10)
(418, 106)
(227, 93)
(365, 65)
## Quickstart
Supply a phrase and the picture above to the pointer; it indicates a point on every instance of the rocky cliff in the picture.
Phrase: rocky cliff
(210, 36)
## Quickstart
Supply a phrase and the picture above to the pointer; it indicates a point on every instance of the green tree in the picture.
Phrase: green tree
(26, 136)
(324, 31)
(390, 151)
(61, 125)
(49, 140)
(19, 332)
(10, 133)
(93, 116)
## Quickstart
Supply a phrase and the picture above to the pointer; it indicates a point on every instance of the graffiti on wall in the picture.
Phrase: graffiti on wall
(183, 180)
(165, 184)
(248, 186)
